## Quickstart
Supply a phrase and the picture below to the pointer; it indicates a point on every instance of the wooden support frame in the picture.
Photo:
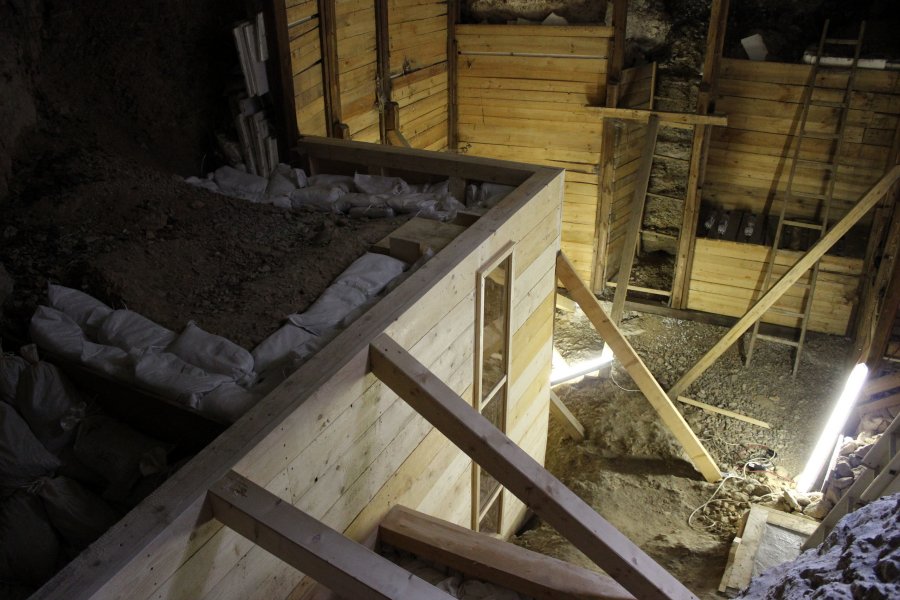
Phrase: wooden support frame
(666, 119)
(722, 411)
(639, 372)
(279, 71)
(521, 474)
(453, 17)
(348, 568)
(383, 67)
(570, 424)
(633, 232)
(487, 558)
(330, 80)
(684, 256)
(767, 300)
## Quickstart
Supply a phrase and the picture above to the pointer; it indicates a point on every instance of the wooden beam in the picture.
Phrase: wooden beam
(881, 384)
(687, 235)
(348, 568)
(639, 372)
(767, 300)
(521, 474)
(634, 222)
(383, 65)
(453, 16)
(279, 72)
(559, 411)
(484, 557)
(666, 119)
(616, 58)
(722, 411)
(886, 402)
(330, 80)
(395, 138)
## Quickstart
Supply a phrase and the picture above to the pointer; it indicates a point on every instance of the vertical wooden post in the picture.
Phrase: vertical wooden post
(634, 222)
(453, 12)
(614, 63)
(687, 236)
(383, 53)
(330, 78)
(280, 75)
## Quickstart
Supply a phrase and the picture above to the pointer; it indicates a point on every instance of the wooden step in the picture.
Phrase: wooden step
(791, 223)
(777, 340)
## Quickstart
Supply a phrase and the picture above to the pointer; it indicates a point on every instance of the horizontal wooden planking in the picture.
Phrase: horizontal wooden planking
(537, 31)
(777, 144)
(530, 134)
(550, 99)
(773, 72)
(586, 70)
(297, 11)
(595, 47)
(550, 156)
(793, 93)
(417, 12)
(513, 115)
(853, 133)
(413, 110)
(425, 122)
(308, 85)
(417, 57)
(733, 250)
(820, 115)
(311, 118)
(406, 34)
(306, 48)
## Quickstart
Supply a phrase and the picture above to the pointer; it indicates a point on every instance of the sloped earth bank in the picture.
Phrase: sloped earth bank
(634, 472)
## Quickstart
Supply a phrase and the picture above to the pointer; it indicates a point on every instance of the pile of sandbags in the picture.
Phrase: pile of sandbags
(66, 476)
(370, 196)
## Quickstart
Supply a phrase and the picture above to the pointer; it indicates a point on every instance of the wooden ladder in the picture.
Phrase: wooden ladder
(829, 170)
(881, 477)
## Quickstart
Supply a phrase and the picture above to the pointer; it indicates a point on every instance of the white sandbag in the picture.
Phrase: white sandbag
(413, 202)
(378, 184)
(117, 452)
(29, 548)
(207, 184)
(280, 184)
(129, 330)
(110, 360)
(88, 312)
(171, 377)
(371, 212)
(280, 202)
(228, 402)
(371, 272)
(355, 200)
(212, 353)
(239, 184)
(78, 515)
(335, 303)
(22, 457)
(44, 398)
(487, 194)
(441, 188)
(11, 367)
(275, 348)
(57, 332)
(321, 198)
(345, 181)
(300, 178)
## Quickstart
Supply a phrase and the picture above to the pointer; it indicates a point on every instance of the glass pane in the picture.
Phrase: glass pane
(494, 335)
(493, 412)
(490, 522)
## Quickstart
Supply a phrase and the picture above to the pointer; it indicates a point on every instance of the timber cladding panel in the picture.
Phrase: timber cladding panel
(521, 95)
(749, 161)
(417, 32)
(303, 31)
(332, 439)
(357, 68)
(727, 278)
(621, 168)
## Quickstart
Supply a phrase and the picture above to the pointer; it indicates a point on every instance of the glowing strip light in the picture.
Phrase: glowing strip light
(829, 436)
(561, 371)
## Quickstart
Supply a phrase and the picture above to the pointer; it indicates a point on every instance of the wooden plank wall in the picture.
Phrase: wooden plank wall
(749, 160)
(358, 68)
(306, 65)
(728, 277)
(521, 92)
(352, 448)
(418, 64)
(635, 91)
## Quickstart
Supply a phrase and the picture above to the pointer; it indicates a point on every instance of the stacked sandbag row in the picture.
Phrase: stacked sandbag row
(67, 473)
(370, 196)
(200, 370)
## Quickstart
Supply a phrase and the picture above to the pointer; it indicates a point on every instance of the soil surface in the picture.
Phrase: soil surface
(634, 472)
(140, 238)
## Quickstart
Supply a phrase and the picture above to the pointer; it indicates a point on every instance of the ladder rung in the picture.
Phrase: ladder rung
(777, 340)
(841, 42)
(802, 224)
(786, 312)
